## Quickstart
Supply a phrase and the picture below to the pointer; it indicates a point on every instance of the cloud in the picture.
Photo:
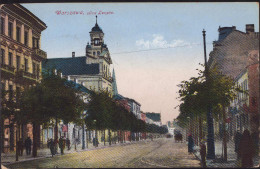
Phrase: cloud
(158, 41)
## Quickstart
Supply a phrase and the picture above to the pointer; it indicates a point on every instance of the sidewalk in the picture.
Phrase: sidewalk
(218, 162)
(10, 158)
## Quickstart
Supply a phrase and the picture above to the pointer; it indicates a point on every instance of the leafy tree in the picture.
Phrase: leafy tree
(196, 94)
(52, 99)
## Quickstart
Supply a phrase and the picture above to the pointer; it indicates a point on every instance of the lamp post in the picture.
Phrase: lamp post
(210, 138)
(1, 107)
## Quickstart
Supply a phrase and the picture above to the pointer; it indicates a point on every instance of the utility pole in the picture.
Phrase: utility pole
(210, 139)
(1, 104)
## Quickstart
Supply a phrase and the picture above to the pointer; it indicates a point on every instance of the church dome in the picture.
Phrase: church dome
(96, 28)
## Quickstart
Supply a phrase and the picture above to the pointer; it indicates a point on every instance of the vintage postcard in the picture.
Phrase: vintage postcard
(129, 85)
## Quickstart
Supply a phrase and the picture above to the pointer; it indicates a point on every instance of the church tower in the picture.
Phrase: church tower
(97, 49)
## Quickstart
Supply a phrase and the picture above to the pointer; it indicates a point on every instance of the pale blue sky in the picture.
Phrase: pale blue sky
(149, 77)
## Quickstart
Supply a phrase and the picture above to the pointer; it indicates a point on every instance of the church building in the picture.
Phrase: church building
(91, 70)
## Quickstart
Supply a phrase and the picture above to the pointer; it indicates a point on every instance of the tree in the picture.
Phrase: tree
(52, 99)
(195, 96)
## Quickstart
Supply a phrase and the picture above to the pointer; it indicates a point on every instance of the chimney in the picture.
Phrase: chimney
(250, 28)
(73, 54)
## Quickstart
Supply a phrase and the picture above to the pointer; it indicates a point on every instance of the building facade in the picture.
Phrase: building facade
(21, 57)
(91, 70)
(135, 107)
(230, 51)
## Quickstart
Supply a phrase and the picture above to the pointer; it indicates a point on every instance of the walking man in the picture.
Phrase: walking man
(52, 147)
(190, 144)
(61, 145)
(28, 144)
(237, 141)
(68, 143)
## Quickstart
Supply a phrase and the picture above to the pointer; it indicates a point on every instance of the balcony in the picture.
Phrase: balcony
(7, 68)
(21, 74)
(39, 54)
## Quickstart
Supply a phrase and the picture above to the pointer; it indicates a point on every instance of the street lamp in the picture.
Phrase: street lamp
(210, 138)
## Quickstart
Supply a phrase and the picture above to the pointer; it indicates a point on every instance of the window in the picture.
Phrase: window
(26, 38)
(18, 92)
(3, 86)
(94, 53)
(96, 42)
(2, 25)
(26, 65)
(35, 43)
(98, 53)
(10, 59)
(37, 70)
(10, 92)
(2, 56)
(34, 68)
(10, 29)
(18, 34)
(18, 62)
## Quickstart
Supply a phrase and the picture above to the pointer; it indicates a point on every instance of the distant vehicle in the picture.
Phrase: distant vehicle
(178, 137)
(168, 135)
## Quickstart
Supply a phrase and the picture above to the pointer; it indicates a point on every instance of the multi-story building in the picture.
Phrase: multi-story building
(21, 57)
(91, 70)
(254, 91)
(135, 107)
(240, 105)
(243, 111)
(230, 51)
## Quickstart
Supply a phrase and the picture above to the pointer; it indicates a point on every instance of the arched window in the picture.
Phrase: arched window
(94, 53)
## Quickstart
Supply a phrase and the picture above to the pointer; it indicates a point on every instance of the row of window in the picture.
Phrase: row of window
(18, 34)
(36, 67)
(98, 53)
(243, 86)
(11, 93)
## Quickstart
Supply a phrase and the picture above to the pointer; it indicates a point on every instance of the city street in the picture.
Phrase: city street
(160, 153)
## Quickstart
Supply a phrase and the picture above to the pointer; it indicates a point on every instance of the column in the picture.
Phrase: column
(6, 25)
(22, 34)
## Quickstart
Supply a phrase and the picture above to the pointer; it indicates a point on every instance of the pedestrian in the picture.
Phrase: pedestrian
(246, 150)
(203, 153)
(238, 136)
(28, 144)
(255, 138)
(52, 147)
(190, 144)
(68, 143)
(20, 147)
(48, 143)
(61, 145)
(64, 143)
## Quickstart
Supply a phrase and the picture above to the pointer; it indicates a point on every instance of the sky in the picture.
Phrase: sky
(153, 46)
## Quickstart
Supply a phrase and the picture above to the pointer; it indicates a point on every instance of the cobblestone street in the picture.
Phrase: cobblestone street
(160, 153)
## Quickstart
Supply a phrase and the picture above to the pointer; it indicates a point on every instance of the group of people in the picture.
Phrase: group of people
(27, 144)
(245, 147)
(62, 142)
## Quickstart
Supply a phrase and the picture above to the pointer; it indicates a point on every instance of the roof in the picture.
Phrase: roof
(77, 86)
(96, 28)
(118, 97)
(224, 32)
(154, 116)
(71, 66)
(132, 100)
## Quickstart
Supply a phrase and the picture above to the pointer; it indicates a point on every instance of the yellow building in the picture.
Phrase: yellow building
(21, 57)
